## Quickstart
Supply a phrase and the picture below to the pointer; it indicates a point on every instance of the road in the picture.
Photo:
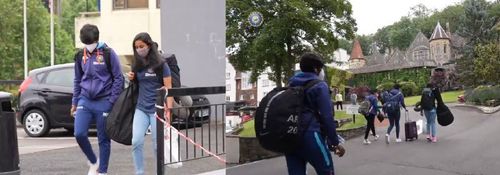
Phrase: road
(59, 154)
(469, 146)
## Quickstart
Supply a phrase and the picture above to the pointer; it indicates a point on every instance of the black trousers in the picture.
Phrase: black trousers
(339, 103)
(370, 125)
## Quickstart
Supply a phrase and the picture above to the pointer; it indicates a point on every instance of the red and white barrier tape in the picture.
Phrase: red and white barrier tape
(167, 126)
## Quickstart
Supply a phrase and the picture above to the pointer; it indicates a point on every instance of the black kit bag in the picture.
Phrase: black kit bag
(444, 115)
(277, 118)
(120, 120)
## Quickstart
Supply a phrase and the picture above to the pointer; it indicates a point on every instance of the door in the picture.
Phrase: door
(58, 90)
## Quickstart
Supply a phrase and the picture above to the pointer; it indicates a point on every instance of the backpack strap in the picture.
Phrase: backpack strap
(107, 59)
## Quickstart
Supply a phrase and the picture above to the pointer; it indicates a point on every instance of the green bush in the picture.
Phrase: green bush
(409, 88)
(385, 86)
(483, 95)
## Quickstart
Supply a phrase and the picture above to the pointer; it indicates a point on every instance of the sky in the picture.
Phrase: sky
(371, 15)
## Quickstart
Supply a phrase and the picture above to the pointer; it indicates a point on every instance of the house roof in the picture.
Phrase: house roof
(439, 33)
(356, 53)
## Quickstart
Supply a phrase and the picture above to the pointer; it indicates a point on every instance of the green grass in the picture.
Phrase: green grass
(448, 97)
(360, 121)
(249, 130)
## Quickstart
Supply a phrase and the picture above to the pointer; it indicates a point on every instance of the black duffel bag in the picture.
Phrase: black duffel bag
(444, 115)
(120, 119)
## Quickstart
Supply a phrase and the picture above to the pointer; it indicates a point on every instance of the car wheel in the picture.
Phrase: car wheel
(36, 123)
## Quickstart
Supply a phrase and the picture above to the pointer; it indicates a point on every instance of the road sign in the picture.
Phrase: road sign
(352, 109)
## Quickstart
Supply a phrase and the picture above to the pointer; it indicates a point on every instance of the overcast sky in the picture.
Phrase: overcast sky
(371, 15)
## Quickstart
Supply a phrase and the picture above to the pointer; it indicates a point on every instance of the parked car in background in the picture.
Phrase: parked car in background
(45, 100)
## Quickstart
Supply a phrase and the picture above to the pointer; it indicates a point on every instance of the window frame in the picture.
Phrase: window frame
(49, 73)
(126, 6)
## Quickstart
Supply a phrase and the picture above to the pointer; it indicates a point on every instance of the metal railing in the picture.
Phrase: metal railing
(202, 124)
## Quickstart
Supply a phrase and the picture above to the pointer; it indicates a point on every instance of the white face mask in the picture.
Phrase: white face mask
(321, 75)
(91, 47)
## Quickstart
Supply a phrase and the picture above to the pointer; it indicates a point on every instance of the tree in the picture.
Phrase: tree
(71, 10)
(290, 28)
(487, 63)
(420, 11)
(11, 39)
(366, 42)
(476, 27)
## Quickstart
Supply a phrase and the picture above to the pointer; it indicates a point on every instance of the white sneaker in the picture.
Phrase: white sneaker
(366, 142)
(376, 137)
(398, 140)
(93, 168)
(387, 138)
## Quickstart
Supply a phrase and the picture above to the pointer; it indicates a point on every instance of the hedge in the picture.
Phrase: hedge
(420, 76)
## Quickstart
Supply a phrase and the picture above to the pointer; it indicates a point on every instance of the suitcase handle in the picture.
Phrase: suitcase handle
(407, 116)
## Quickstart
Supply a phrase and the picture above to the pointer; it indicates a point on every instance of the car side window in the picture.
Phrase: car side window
(60, 77)
(40, 76)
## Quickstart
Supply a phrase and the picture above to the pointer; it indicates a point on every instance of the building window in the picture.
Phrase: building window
(228, 87)
(228, 98)
(129, 4)
(252, 97)
(241, 97)
(158, 4)
(228, 75)
(444, 48)
(245, 81)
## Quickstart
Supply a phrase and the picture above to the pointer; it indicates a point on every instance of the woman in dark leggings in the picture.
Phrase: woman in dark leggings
(370, 118)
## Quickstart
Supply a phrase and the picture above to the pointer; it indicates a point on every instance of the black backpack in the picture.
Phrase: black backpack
(174, 69)
(427, 100)
(391, 104)
(277, 118)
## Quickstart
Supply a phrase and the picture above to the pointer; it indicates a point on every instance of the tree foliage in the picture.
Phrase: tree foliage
(487, 63)
(12, 39)
(290, 28)
(477, 27)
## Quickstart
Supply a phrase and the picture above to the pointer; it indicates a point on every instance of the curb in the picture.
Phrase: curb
(483, 109)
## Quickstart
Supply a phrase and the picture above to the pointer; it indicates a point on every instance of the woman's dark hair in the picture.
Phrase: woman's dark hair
(309, 62)
(430, 85)
(397, 86)
(152, 60)
(89, 34)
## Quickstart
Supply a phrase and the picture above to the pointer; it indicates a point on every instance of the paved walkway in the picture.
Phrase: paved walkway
(468, 146)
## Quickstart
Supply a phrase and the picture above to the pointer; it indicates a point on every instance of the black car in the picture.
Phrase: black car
(45, 101)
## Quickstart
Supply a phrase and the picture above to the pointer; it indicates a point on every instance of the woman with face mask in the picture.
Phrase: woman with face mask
(150, 73)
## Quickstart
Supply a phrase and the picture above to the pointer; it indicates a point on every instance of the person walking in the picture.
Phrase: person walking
(320, 135)
(394, 100)
(98, 83)
(151, 73)
(339, 100)
(354, 97)
(370, 117)
(430, 95)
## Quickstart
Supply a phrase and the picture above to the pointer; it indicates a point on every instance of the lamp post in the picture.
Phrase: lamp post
(25, 40)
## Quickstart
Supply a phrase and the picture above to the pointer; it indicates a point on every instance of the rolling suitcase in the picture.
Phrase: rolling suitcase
(410, 129)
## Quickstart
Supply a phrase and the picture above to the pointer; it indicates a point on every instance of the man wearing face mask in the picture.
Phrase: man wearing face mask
(320, 136)
(98, 83)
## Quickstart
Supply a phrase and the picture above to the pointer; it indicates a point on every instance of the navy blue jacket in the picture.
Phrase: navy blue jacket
(373, 104)
(318, 100)
(400, 98)
(96, 81)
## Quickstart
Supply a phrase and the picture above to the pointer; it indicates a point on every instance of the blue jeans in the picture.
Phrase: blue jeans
(314, 151)
(430, 115)
(394, 118)
(140, 126)
(87, 112)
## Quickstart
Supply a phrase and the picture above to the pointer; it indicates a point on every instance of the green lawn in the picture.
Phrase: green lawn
(448, 97)
(249, 130)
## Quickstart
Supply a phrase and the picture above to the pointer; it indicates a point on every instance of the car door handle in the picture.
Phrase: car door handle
(45, 90)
